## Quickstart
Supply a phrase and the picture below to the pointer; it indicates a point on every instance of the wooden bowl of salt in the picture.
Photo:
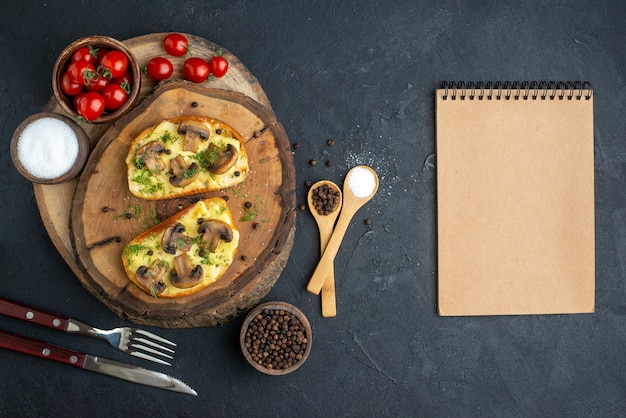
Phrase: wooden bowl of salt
(49, 148)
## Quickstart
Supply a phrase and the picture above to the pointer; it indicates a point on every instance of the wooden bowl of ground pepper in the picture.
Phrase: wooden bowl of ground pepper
(275, 338)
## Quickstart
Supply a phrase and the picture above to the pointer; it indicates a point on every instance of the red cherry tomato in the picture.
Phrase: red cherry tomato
(196, 69)
(218, 65)
(81, 72)
(126, 77)
(101, 52)
(114, 96)
(69, 86)
(85, 53)
(116, 62)
(90, 105)
(97, 83)
(159, 68)
(176, 44)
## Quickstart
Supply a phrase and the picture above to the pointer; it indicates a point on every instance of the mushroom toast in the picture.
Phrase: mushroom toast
(185, 155)
(186, 252)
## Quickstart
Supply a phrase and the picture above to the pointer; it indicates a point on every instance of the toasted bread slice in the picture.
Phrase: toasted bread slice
(186, 155)
(185, 253)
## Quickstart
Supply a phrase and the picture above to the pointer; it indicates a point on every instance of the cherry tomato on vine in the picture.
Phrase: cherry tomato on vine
(89, 105)
(159, 68)
(85, 53)
(196, 69)
(69, 86)
(114, 96)
(116, 62)
(97, 83)
(218, 65)
(176, 44)
(81, 72)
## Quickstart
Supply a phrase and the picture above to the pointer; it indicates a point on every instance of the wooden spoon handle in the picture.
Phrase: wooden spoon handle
(325, 266)
(329, 303)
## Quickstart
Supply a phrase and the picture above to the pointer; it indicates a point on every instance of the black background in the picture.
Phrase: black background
(364, 74)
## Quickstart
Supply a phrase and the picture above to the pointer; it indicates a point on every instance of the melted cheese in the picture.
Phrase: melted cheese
(145, 250)
(154, 186)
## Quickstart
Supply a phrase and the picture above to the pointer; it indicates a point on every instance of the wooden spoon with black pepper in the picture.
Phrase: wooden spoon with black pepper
(325, 218)
(359, 187)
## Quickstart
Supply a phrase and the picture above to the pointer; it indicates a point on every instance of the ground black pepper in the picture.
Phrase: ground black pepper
(276, 339)
(325, 199)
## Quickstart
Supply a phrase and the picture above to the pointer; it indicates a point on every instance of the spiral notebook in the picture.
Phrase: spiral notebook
(515, 198)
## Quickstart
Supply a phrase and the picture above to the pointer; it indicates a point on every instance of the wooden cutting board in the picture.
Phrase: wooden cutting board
(87, 218)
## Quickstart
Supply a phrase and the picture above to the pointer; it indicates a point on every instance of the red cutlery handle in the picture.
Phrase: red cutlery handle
(41, 349)
(28, 314)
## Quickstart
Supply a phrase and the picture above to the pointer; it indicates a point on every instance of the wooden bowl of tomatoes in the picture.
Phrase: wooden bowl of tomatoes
(96, 79)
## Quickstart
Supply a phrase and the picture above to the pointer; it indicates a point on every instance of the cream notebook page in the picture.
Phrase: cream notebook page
(515, 200)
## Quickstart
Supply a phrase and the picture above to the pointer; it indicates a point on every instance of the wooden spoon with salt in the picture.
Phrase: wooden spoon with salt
(325, 224)
(359, 187)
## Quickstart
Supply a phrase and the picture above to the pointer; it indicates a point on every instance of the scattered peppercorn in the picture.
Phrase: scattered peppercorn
(296, 146)
(276, 339)
(302, 206)
(331, 142)
(329, 163)
(248, 205)
(226, 198)
(367, 221)
(105, 209)
(218, 131)
(312, 163)
(194, 104)
(255, 225)
(150, 252)
(308, 183)
(129, 215)
(244, 258)
(237, 173)
(325, 199)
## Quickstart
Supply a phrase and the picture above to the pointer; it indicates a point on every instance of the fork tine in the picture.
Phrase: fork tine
(151, 343)
(148, 357)
(153, 336)
(149, 349)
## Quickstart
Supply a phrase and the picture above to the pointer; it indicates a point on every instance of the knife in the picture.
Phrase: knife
(95, 364)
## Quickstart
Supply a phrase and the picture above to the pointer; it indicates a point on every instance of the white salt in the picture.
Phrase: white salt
(47, 148)
(361, 182)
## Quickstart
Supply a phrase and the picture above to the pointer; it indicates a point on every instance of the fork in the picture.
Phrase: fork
(134, 341)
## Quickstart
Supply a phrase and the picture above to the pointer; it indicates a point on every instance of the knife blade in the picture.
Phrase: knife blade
(93, 363)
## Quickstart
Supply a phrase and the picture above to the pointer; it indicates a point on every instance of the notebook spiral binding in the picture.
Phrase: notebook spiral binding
(517, 89)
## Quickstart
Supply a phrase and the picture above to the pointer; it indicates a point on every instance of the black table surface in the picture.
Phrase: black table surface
(362, 73)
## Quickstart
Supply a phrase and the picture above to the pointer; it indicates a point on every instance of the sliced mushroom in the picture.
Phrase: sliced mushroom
(194, 133)
(175, 238)
(222, 158)
(149, 156)
(212, 231)
(184, 274)
(152, 277)
(182, 174)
